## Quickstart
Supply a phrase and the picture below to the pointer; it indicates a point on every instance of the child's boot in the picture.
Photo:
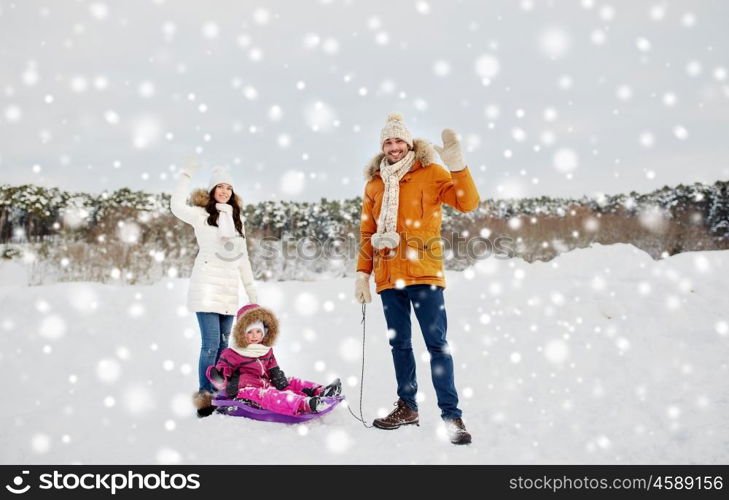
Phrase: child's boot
(318, 404)
(332, 390)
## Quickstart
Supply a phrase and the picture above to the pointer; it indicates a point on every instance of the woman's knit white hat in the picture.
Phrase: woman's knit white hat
(395, 129)
(220, 175)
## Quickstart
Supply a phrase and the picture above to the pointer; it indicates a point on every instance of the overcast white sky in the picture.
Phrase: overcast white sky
(564, 97)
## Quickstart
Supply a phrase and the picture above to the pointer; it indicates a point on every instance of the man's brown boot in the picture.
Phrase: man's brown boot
(457, 432)
(402, 415)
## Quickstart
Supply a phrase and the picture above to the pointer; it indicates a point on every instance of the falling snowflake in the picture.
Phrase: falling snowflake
(138, 400)
(555, 42)
(108, 370)
(338, 441)
(598, 37)
(210, 30)
(565, 160)
(13, 113)
(79, 84)
(275, 113)
(145, 132)
(168, 456)
(129, 232)
(53, 327)
(261, 16)
(722, 328)
(99, 11)
(83, 298)
(643, 44)
(422, 7)
(624, 93)
(680, 132)
(293, 182)
(442, 68)
(350, 349)
(40, 443)
(146, 89)
(556, 351)
(320, 117)
(487, 66)
(306, 304)
(330, 46)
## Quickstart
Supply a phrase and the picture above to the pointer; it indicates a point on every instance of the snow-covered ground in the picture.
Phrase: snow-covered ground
(599, 356)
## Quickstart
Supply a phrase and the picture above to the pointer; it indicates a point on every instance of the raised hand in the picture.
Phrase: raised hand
(450, 152)
(191, 166)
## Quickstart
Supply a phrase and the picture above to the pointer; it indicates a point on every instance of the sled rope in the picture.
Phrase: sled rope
(361, 380)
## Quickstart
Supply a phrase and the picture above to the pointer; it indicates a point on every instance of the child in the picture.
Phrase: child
(247, 369)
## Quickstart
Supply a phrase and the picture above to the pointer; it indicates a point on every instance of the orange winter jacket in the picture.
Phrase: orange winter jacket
(418, 259)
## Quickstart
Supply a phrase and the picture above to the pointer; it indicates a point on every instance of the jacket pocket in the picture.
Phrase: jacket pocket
(424, 258)
(381, 270)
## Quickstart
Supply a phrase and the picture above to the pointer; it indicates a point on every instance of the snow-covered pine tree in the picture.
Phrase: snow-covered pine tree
(718, 218)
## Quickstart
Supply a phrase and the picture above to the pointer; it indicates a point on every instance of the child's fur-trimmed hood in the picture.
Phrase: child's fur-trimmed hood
(265, 316)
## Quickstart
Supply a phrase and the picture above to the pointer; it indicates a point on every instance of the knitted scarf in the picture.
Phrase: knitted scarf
(386, 235)
(252, 350)
(226, 227)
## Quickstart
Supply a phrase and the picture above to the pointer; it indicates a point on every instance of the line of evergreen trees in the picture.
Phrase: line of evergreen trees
(34, 213)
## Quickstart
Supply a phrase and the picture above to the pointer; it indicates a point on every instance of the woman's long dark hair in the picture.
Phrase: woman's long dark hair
(234, 202)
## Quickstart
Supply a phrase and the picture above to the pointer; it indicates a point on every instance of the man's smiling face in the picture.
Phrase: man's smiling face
(395, 149)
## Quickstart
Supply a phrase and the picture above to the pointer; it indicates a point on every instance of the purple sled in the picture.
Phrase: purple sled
(236, 408)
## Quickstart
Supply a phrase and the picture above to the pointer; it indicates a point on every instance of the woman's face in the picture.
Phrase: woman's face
(222, 193)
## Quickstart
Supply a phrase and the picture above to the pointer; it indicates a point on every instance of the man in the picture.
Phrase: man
(400, 241)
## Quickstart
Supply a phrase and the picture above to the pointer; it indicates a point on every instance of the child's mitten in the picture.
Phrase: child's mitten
(278, 379)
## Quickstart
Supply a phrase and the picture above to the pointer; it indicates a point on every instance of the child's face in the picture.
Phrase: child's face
(254, 336)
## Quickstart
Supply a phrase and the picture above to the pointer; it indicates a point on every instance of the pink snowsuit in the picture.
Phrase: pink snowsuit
(254, 382)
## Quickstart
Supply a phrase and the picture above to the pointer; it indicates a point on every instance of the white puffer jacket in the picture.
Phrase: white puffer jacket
(214, 284)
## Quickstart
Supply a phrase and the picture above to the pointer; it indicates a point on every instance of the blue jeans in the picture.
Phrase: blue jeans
(214, 331)
(430, 311)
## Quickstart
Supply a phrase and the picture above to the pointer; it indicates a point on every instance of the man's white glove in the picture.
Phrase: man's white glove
(451, 153)
(191, 166)
(362, 288)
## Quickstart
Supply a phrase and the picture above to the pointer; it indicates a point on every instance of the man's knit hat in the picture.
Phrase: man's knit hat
(395, 129)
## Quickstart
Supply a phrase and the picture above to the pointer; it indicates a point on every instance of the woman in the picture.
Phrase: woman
(213, 294)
